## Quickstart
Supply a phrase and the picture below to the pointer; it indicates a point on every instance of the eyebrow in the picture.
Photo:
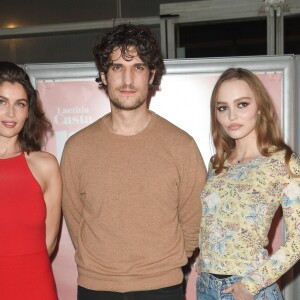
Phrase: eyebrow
(235, 100)
(21, 99)
(136, 64)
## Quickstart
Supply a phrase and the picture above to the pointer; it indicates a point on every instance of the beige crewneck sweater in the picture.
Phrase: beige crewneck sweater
(132, 204)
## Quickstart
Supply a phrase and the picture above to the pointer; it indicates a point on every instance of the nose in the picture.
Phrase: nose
(232, 114)
(128, 77)
(10, 112)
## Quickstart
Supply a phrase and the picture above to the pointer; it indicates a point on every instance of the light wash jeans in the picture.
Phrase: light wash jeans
(209, 287)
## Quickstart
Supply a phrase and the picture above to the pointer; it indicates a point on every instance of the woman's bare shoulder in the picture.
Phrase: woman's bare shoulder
(42, 160)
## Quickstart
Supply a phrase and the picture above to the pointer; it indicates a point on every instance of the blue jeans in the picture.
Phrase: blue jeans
(209, 287)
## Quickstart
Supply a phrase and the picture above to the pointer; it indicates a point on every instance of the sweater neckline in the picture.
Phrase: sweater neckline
(146, 129)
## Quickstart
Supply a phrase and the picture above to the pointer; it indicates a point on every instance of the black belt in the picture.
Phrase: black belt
(219, 276)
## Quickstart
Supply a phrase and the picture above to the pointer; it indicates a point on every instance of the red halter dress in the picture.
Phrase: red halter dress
(25, 270)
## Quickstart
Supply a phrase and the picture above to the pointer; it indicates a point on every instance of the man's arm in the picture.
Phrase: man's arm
(192, 180)
(71, 200)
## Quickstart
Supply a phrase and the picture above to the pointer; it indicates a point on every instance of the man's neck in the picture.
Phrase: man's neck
(129, 122)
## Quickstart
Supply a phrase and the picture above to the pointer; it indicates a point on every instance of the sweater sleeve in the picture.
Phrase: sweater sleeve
(193, 177)
(289, 253)
(71, 202)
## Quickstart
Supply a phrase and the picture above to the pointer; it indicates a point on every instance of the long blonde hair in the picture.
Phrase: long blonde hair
(267, 129)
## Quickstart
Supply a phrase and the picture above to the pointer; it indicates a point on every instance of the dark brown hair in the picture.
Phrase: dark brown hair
(36, 125)
(123, 37)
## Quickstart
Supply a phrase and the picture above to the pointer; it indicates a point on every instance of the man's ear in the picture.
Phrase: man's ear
(152, 75)
(103, 78)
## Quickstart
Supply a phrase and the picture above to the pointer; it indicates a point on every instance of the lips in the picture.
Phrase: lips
(234, 126)
(127, 92)
(9, 124)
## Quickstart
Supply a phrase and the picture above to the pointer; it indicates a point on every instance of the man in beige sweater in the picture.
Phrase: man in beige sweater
(132, 182)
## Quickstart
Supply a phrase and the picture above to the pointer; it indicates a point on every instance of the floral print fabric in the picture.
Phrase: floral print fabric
(238, 207)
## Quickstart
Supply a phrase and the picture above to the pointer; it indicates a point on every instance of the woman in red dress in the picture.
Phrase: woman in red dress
(30, 192)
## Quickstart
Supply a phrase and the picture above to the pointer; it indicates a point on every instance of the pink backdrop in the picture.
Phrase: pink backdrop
(184, 100)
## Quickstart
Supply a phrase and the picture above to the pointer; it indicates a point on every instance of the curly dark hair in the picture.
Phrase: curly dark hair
(123, 37)
(36, 125)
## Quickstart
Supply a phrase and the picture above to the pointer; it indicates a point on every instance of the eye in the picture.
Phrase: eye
(222, 108)
(140, 67)
(20, 104)
(2, 102)
(242, 104)
(116, 68)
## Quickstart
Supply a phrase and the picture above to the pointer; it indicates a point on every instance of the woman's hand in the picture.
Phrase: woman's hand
(240, 292)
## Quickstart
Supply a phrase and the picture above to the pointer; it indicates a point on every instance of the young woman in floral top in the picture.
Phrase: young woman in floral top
(252, 173)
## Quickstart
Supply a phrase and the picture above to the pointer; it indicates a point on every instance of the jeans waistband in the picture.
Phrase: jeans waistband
(219, 276)
(218, 283)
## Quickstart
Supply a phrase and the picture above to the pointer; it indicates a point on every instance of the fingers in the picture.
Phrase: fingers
(229, 289)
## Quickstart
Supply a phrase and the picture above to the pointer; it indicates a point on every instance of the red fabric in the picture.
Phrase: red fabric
(25, 270)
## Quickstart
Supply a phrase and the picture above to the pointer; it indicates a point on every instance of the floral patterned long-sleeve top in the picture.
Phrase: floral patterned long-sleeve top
(238, 207)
